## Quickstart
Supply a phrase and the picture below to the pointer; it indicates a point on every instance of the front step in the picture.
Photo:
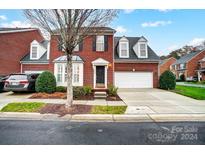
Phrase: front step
(100, 95)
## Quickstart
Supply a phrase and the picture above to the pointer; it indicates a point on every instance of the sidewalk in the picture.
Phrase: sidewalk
(190, 85)
(104, 117)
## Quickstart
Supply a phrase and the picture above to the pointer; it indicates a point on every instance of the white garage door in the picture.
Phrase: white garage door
(134, 79)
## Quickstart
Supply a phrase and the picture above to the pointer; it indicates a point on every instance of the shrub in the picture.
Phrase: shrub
(87, 90)
(61, 89)
(182, 77)
(46, 82)
(77, 92)
(112, 90)
(167, 80)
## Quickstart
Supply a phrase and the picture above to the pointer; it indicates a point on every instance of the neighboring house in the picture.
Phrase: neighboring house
(188, 65)
(14, 44)
(98, 61)
(201, 70)
(165, 64)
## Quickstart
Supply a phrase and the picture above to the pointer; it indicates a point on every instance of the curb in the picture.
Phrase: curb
(104, 117)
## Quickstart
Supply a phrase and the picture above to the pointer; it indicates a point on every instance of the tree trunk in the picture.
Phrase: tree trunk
(69, 81)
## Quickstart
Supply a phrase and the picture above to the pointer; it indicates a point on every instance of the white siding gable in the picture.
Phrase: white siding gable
(139, 46)
(123, 51)
(37, 46)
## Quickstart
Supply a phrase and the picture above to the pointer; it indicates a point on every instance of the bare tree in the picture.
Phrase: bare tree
(72, 26)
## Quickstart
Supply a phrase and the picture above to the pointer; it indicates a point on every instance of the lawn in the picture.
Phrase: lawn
(60, 108)
(108, 109)
(23, 107)
(193, 92)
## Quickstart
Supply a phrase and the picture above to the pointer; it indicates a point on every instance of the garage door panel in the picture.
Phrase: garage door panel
(134, 79)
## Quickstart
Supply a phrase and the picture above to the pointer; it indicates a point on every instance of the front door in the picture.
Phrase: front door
(100, 75)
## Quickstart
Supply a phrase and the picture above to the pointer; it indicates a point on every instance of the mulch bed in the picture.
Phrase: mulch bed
(55, 95)
(59, 95)
(61, 110)
(113, 98)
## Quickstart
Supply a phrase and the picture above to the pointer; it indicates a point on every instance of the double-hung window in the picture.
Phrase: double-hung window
(143, 52)
(76, 73)
(100, 43)
(124, 53)
(34, 52)
(59, 72)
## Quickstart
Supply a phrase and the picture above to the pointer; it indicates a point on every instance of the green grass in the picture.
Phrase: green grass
(23, 107)
(108, 109)
(193, 92)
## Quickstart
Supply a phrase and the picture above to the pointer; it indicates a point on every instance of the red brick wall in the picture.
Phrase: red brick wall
(34, 67)
(13, 46)
(166, 65)
(145, 67)
(88, 56)
(193, 64)
(202, 64)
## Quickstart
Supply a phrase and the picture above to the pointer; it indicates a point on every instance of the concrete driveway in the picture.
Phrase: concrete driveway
(142, 101)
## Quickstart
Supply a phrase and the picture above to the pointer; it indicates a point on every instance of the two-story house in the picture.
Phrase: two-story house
(166, 64)
(14, 44)
(188, 65)
(201, 70)
(98, 61)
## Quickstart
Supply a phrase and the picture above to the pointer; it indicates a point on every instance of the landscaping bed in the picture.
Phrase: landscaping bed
(61, 110)
(193, 92)
(60, 95)
(113, 98)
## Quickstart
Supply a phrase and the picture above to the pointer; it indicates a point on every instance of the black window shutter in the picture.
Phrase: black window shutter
(106, 42)
(59, 40)
(94, 42)
(81, 46)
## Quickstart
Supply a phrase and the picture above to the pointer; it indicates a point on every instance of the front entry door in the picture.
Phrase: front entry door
(100, 75)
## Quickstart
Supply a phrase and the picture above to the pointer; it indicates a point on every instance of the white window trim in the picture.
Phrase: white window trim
(139, 51)
(121, 56)
(103, 49)
(31, 51)
(63, 82)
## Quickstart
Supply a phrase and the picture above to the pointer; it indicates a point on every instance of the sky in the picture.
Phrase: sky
(165, 30)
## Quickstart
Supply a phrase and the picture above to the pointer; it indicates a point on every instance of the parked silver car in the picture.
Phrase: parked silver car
(20, 82)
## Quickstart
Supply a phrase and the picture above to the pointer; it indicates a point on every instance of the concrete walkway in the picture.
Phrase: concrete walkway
(156, 101)
(190, 85)
(9, 97)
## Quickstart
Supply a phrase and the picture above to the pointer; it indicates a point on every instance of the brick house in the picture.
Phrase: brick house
(165, 64)
(98, 61)
(15, 43)
(188, 65)
(201, 70)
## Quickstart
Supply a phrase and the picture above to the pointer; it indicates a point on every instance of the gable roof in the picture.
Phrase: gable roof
(42, 59)
(28, 60)
(14, 30)
(165, 60)
(152, 56)
(187, 57)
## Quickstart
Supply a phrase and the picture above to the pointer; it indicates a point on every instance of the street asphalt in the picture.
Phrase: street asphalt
(27, 132)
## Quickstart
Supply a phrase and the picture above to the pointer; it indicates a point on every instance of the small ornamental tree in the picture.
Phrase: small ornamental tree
(167, 80)
(46, 82)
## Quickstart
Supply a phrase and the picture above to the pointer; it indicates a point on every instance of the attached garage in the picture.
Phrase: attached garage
(134, 79)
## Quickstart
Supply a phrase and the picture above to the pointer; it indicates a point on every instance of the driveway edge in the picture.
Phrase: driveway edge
(103, 117)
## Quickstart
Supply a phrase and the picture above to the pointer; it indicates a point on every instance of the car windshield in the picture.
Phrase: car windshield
(17, 77)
